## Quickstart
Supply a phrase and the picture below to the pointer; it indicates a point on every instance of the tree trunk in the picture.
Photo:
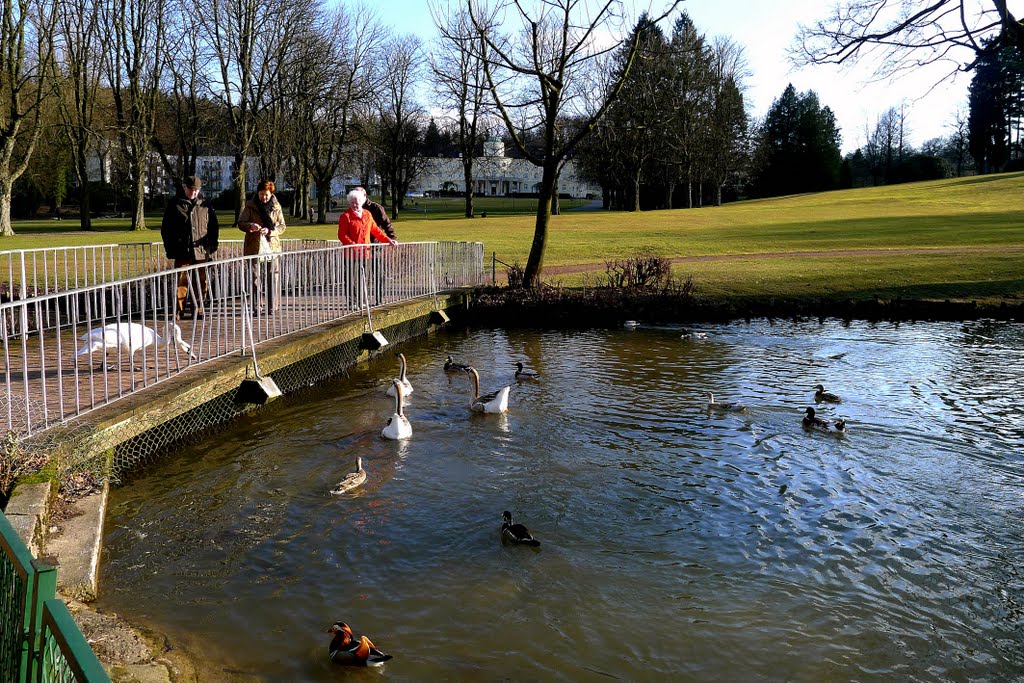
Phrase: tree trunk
(6, 187)
(689, 194)
(535, 262)
(239, 185)
(139, 208)
(323, 198)
(467, 176)
(668, 194)
(84, 205)
(636, 192)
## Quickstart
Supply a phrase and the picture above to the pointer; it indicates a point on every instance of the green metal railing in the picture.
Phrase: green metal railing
(39, 641)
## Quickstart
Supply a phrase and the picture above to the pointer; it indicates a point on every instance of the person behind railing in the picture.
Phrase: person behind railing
(262, 221)
(355, 226)
(380, 217)
(190, 231)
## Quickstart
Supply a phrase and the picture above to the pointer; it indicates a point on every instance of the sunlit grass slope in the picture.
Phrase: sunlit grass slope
(974, 227)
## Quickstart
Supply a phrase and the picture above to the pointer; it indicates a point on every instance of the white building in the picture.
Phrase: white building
(496, 175)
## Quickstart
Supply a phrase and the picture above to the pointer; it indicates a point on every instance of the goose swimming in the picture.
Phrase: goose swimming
(451, 366)
(820, 395)
(494, 402)
(345, 649)
(402, 379)
(398, 426)
(724, 406)
(523, 373)
(351, 480)
(516, 533)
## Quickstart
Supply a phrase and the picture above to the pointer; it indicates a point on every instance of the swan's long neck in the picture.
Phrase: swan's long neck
(476, 385)
(359, 464)
(401, 360)
(398, 399)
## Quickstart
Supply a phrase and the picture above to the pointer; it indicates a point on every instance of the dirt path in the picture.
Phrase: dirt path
(588, 267)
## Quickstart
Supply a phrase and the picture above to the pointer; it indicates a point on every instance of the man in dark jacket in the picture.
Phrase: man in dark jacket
(382, 260)
(190, 232)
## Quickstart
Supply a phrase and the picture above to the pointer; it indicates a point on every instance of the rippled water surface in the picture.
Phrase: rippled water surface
(676, 543)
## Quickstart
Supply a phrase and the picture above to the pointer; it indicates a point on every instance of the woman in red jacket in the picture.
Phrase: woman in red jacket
(355, 227)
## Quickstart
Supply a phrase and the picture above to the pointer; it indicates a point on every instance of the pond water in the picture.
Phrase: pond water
(675, 543)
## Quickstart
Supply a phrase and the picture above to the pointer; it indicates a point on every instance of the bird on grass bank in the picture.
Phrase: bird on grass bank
(523, 373)
(723, 406)
(516, 533)
(402, 379)
(346, 650)
(494, 402)
(822, 396)
(398, 426)
(451, 366)
(351, 481)
(815, 423)
(130, 338)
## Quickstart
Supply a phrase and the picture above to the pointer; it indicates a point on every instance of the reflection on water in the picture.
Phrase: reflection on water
(676, 543)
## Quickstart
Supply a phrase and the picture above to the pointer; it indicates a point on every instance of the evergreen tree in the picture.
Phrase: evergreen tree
(996, 103)
(798, 146)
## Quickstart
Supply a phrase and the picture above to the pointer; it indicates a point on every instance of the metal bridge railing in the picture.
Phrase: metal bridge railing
(39, 641)
(36, 272)
(69, 352)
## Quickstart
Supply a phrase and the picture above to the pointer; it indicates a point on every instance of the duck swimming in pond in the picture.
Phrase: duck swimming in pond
(451, 366)
(724, 406)
(402, 379)
(494, 402)
(690, 334)
(398, 426)
(351, 480)
(345, 649)
(516, 533)
(523, 373)
(822, 396)
(812, 421)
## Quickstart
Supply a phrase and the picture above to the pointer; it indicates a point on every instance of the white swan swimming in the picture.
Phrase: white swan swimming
(130, 338)
(398, 426)
(494, 402)
(402, 379)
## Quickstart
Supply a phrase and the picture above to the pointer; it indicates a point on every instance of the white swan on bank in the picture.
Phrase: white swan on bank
(130, 338)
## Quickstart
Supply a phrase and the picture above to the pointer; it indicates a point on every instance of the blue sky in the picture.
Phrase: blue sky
(765, 28)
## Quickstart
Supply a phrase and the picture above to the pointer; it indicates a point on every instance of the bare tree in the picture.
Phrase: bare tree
(398, 122)
(341, 78)
(186, 122)
(136, 60)
(958, 139)
(533, 73)
(909, 34)
(26, 37)
(80, 43)
(459, 73)
(249, 40)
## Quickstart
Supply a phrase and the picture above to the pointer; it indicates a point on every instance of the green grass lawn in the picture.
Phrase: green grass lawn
(975, 227)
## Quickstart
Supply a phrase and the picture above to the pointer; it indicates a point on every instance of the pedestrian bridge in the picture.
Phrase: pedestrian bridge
(87, 327)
